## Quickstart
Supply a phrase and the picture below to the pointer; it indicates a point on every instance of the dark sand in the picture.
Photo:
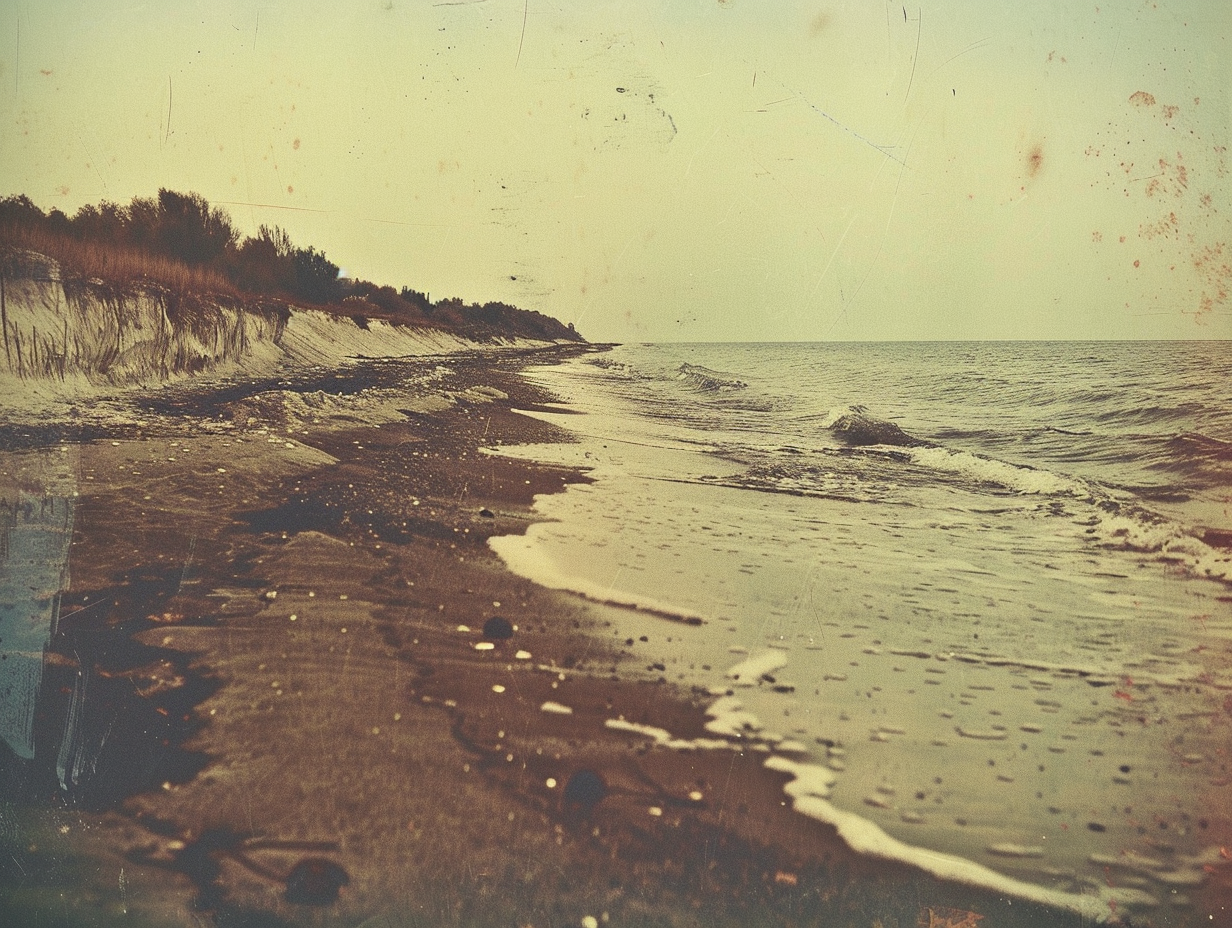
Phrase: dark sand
(267, 585)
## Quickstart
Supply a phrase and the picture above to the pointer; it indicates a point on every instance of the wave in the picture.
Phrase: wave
(1113, 516)
(621, 369)
(1115, 523)
(1196, 446)
(703, 378)
(855, 426)
(982, 470)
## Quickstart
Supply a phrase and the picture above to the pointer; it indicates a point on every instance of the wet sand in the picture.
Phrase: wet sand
(277, 597)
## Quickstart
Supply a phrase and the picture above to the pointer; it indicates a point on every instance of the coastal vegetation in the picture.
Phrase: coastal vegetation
(180, 244)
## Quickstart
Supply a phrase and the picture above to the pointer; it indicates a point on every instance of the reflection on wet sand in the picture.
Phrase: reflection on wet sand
(36, 527)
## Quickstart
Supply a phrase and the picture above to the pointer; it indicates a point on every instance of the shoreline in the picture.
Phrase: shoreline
(303, 637)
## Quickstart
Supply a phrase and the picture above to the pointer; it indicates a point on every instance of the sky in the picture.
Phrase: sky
(674, 170)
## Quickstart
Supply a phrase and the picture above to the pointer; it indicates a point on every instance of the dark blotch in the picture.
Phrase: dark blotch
(315, 881)
(1096, 826)
(585, 788)
(497, 629)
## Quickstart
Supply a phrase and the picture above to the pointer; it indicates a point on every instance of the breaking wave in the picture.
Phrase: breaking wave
(703, 378)
(855, 426)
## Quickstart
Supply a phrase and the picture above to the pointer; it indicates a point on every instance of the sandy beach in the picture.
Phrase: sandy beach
(280, 693)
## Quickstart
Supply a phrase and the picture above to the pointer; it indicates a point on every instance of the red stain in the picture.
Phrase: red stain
(1035, 160)
(1136, 264)
(1142, 98)
(295, 144)
(1097, 236)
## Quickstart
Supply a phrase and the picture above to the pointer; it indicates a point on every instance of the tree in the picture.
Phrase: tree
(316, 277)
(190, 230)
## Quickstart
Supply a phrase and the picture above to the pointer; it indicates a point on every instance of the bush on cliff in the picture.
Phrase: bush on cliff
(179, 242)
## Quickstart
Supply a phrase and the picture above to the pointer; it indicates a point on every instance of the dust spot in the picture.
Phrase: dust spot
(62, 190)
(45, 72)
(1097, 236)
(1215, 271)
(1035, 159)
(1168, 227)
(821, 22)
(1137, 263)
(1170, 111)
(1142, 98)
(290, 189)
(295, 144)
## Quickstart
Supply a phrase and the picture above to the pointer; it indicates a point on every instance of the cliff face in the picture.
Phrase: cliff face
(64, 331)
(62, 335)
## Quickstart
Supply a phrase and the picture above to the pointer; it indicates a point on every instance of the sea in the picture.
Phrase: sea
(974, 598)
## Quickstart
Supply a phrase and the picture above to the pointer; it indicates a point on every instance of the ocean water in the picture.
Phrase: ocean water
(976, 597)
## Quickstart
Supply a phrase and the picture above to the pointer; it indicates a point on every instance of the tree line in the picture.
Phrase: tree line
(179, 241)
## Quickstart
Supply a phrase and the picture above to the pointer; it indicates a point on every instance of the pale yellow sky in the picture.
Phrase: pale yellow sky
(675, 170)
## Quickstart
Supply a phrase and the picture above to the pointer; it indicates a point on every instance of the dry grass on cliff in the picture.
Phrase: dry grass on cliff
(115, 265)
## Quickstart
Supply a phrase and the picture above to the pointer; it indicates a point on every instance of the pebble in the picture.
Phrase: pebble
(1181, 878)
(1015, 850)
(981, 735)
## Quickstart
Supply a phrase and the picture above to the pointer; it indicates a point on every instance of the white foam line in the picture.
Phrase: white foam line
(809, 789)
(663, 737)
(523, 557)
(750, 671)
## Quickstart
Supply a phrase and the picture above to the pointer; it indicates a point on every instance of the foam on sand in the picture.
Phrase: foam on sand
(810, 789)
(749, 671)
(524, 557)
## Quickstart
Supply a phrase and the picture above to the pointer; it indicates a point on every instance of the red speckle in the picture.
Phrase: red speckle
(295, 144)
(1121, 694)
(1122, 239)
(1035, 160)
(290, 189)
(1142, 98)
(1136, 264)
